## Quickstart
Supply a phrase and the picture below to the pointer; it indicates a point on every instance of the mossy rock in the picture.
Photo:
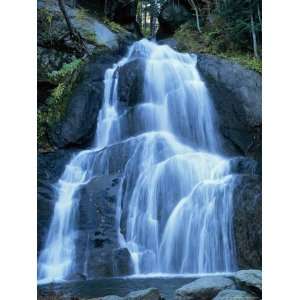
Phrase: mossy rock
(54, 109)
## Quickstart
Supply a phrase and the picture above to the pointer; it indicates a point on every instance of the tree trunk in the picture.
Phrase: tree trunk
(195, 8)
(61, 4)
(259, 14)
(145, 17)
(105, 8)
(75, 35)
(254, 37)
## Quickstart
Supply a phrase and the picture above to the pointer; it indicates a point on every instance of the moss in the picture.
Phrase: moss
(81, 14)
(66, 70)
(212, 40)
(113, 26)
(54, 109)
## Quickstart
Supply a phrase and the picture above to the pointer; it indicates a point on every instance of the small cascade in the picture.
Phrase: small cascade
(174, 210)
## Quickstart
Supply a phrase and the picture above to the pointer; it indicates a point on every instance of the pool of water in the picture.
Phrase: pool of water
(117, 286)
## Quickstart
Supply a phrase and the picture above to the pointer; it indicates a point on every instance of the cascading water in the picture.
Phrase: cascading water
(174, 208)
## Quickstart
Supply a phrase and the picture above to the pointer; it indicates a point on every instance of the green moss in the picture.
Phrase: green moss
(113, 26)
(212, 40)
(66, 70)
(81, 14)
(57, 103)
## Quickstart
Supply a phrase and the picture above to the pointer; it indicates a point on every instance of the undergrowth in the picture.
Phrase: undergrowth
(113, 26)
(213, 40)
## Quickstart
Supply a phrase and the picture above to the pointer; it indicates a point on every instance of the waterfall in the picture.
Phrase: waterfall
(174, 211)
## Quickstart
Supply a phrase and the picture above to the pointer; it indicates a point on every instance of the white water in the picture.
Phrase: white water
(176, 189)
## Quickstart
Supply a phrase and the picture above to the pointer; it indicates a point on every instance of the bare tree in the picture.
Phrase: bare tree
(74, 34)
(253, 36)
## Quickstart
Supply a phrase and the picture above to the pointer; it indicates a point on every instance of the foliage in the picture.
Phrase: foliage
(54, 110)
(237, 21)
(214, 41)
(81, 14)
(66, 70)
(113, 26)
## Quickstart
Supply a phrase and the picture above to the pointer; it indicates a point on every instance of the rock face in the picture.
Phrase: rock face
(247, 221)
(131, 82)
(172, 15)
(97, 244)
(236, 92)
(50, 166)
(205, 288)
(78, 126)
(235, 295)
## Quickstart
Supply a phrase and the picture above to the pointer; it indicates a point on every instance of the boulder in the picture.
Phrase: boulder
(112, 297)
(94, 32)
(250, 280)
(205, 288)
(122, 263)
(148, 294)
(247, 221)
(230, 294)
(236, 92)
(171, 16)
(131, 82)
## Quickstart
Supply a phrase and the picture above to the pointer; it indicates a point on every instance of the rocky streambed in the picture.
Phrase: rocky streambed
(242, 285)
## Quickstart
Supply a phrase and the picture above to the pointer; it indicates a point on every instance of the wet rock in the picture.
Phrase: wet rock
(131, 82)
(204, 288)
(97, 235)
(244, 165)
(109, 298)
(247, 221)
(171, 16)
(50, 166)
(78, 126)
(236, 92)
(122, 262)
(148, 294)
(250, 280)
(169, 42)
(230, 294)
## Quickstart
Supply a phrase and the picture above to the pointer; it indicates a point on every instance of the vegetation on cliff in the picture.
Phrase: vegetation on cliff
(54, 109)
